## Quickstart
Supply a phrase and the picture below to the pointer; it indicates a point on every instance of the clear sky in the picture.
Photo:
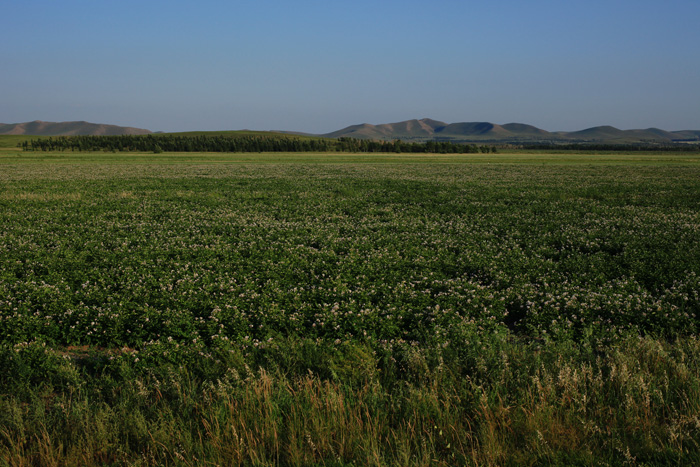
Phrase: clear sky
(320, 65)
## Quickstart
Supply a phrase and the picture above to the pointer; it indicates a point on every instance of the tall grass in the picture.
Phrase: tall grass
(512, 403)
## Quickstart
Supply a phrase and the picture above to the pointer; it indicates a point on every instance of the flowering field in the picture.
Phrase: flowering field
(247, 254)
(344, 271)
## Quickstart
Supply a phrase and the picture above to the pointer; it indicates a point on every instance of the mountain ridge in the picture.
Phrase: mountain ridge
(82, 128)
(420, 130)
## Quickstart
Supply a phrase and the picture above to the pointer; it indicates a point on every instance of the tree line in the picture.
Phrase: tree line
(247, 143)
(620, 147)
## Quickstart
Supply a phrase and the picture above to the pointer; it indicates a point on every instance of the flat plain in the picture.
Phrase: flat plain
(331, 309)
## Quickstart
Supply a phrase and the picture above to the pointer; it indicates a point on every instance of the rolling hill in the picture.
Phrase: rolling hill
(410, 130)
(427, 129)
(39, 128)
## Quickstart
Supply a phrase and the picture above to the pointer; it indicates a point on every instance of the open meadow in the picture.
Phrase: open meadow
(349, 309)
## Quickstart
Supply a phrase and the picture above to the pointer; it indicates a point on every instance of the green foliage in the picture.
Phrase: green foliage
(253, 253)
(239, 142)
(510, 402)
(14, 141)
(30, 365)
(618, 146)
(331, 314)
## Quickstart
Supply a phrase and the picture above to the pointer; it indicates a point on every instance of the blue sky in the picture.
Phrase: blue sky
(318, 66)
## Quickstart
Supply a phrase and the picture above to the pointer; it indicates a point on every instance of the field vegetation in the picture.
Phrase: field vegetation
(349, 309)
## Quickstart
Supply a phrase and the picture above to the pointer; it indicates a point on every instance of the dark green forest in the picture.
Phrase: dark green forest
(620, 147)
(247, 143)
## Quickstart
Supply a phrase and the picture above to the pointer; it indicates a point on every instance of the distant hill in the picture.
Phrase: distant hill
(427, 129)
(39, 128)
(410, 130)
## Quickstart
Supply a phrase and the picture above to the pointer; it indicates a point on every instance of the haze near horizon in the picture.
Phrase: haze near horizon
(316, 66)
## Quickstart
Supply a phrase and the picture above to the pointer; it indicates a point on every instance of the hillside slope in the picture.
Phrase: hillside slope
(40, 128)
(427, 129)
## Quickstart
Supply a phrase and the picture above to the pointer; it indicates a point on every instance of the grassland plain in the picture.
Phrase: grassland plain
(345, 309)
